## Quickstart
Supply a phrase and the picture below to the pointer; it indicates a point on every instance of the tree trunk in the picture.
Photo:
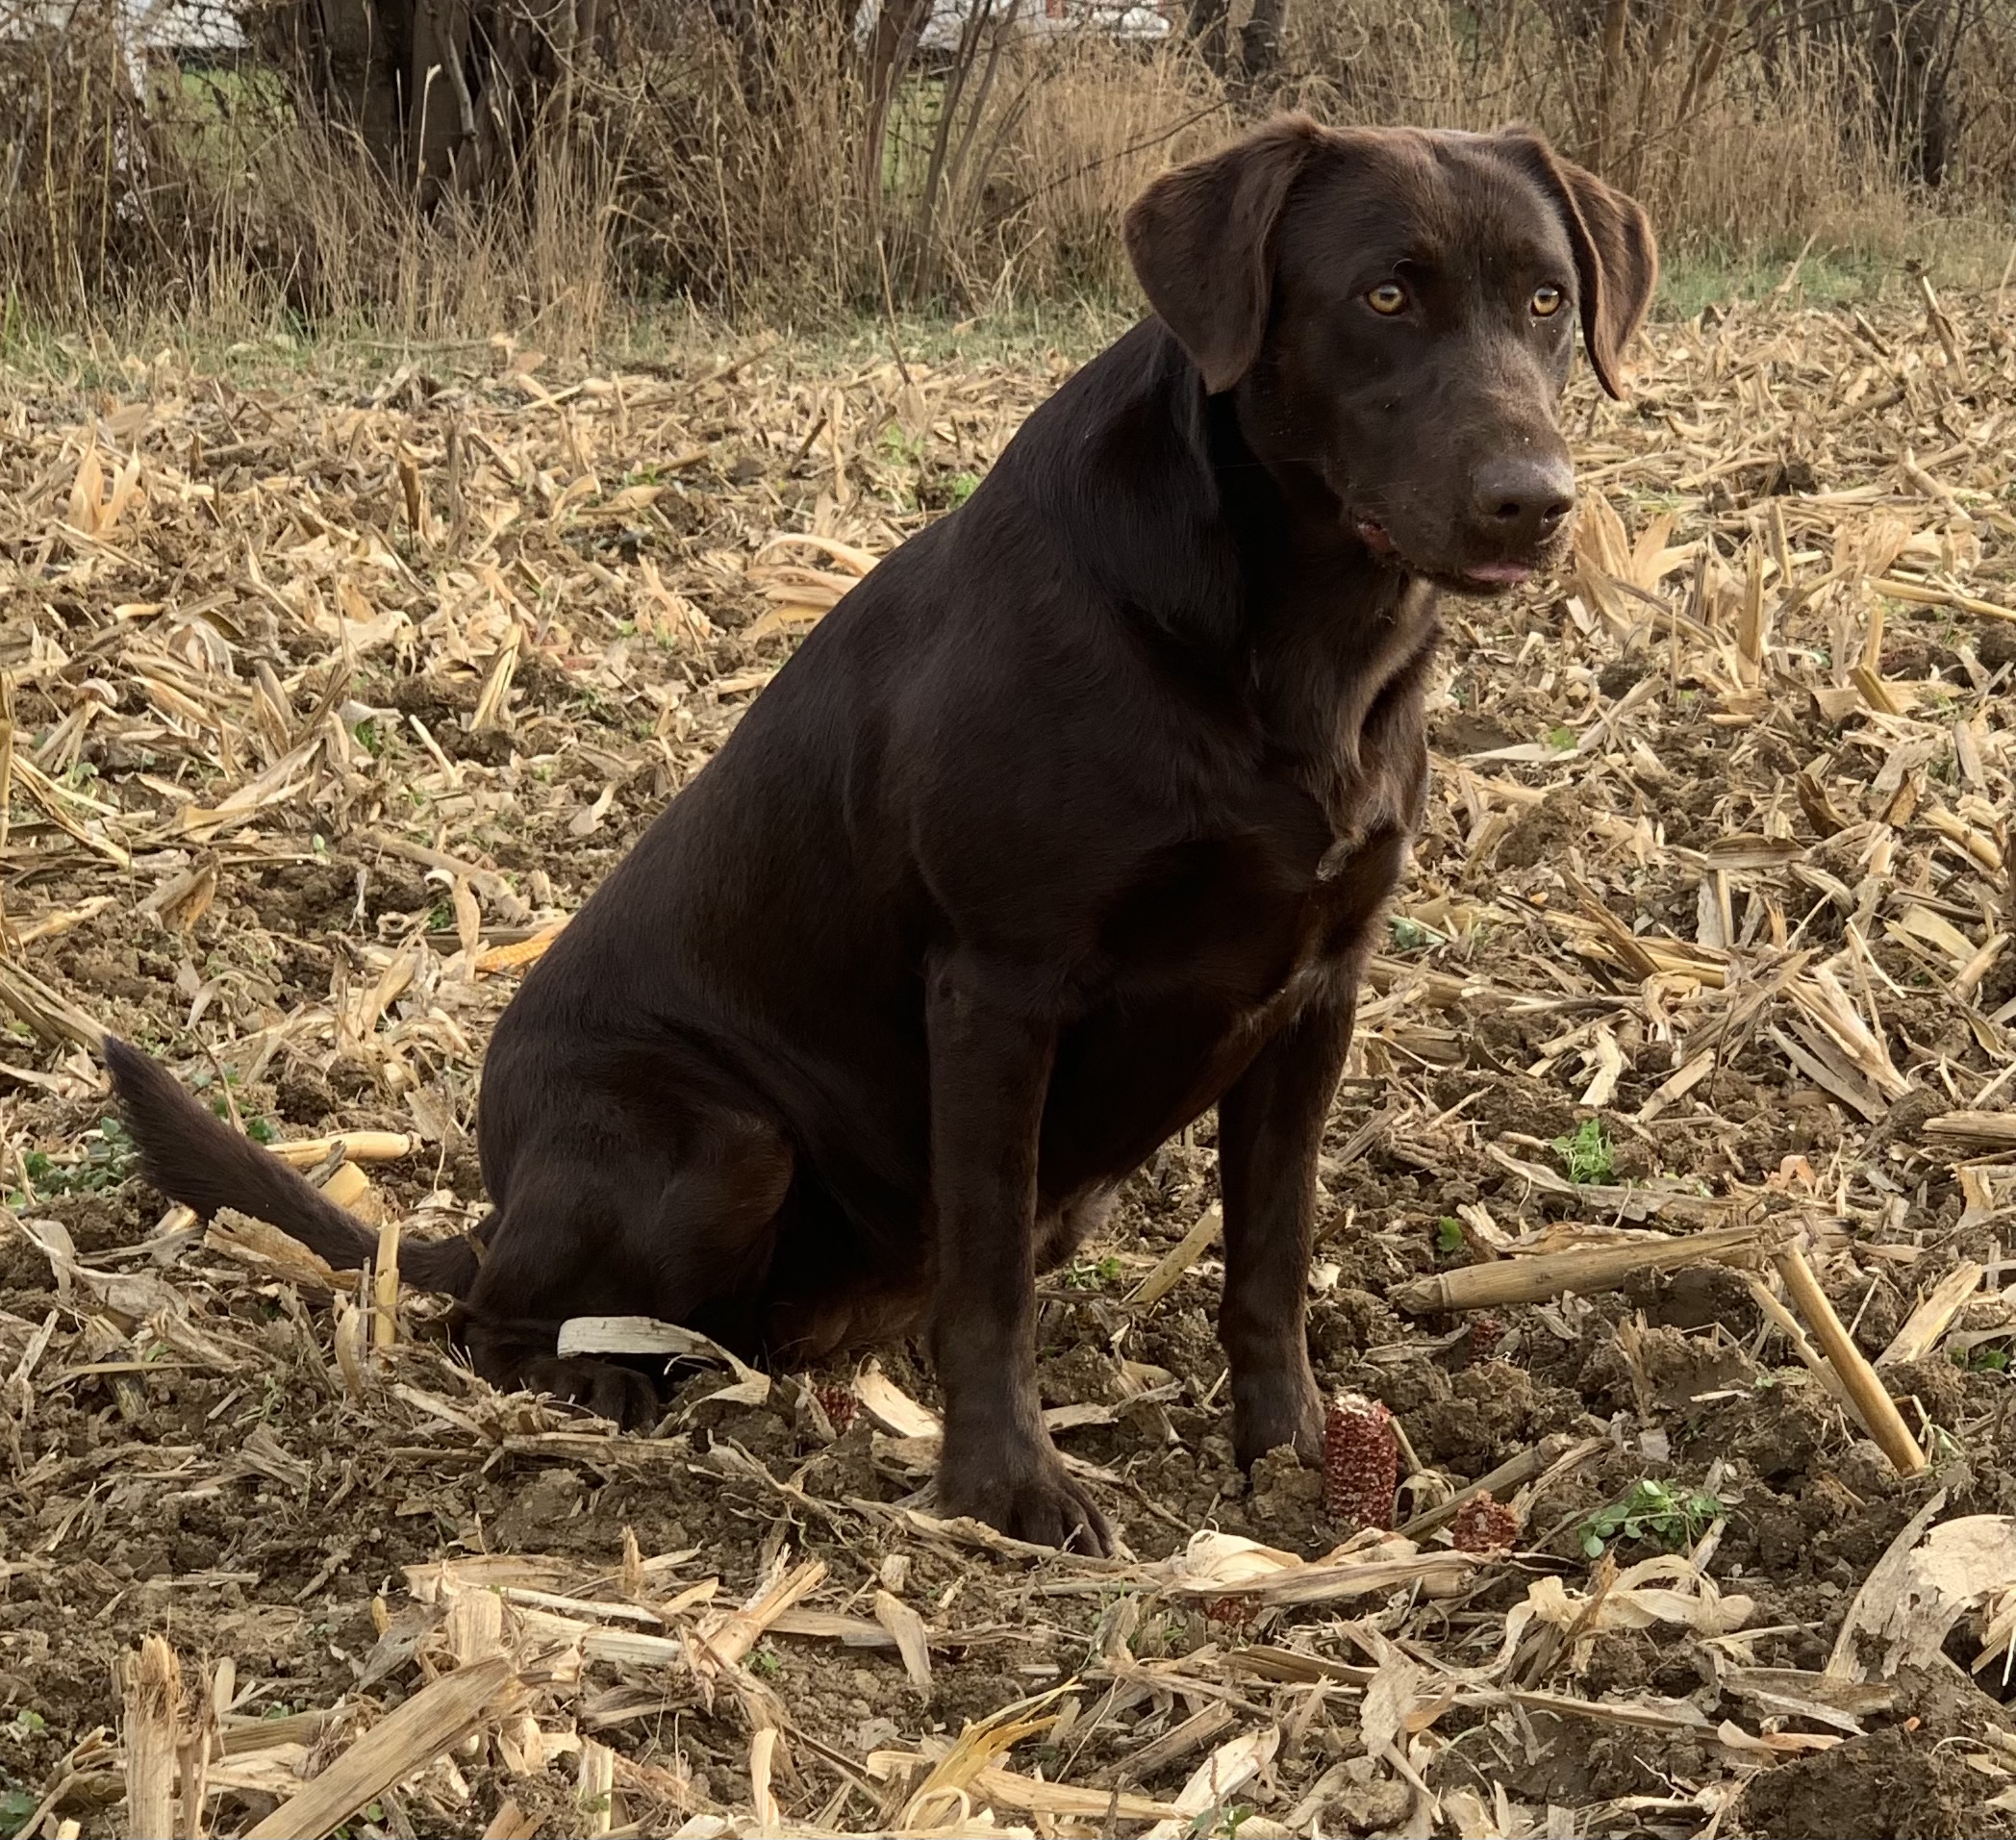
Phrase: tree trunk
(1210, 30)
(349, 56)
(1260, 40)
(740, 21)
(441, 93)
(899, 25)
(1910, 48)
(440, 119)
(1911, 54)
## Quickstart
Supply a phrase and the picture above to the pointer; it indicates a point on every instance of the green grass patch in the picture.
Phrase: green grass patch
(1654, 1512)
(1588, 1155)
(1956, 253)
(107, 1157)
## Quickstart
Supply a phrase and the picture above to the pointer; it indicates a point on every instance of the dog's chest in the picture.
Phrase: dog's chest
(1293, 840)
(1260, 911)
(1293, 861)
(1355, 740)
(1361, 773)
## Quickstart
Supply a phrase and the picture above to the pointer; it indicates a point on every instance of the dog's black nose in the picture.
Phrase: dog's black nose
(1521, 501)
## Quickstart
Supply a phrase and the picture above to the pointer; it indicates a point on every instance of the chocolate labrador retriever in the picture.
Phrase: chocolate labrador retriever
(1075, 820)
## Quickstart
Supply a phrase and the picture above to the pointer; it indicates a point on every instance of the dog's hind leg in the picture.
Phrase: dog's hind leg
(687, 1240)
(520, 1353)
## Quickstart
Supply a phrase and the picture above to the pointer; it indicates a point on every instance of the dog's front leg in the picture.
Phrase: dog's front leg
(991, 1053)
(1269, 1130)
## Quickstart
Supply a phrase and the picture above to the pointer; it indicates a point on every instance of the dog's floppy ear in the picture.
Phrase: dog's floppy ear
(1201, 243)
(1616, 257)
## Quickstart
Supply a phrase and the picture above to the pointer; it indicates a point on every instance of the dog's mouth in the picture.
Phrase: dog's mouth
(1481, 578)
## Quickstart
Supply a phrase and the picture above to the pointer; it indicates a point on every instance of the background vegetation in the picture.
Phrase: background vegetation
(443, 167)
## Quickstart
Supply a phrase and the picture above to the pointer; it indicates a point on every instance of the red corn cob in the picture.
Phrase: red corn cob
(1236, 1611)
(839, 1404)
(1484, 1525)
(1361, 1462)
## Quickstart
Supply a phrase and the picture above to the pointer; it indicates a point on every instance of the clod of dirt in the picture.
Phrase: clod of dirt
(1791, 1422)
(1285, 1503)
(304, 1095)
(1461, 733)
(1352, 1322)
(845, 1468)
(436, 700)
(1995, 645)
(1545, 831)
(1564, 1766)
(1671, 1369)
(1888, 1785)
(1373, 1807)
(1935, 1383)
(1081, 1376)
(547, 1501)
(1408, 1380)
(484, 746)
(1489, 1412)
(1696, 1296)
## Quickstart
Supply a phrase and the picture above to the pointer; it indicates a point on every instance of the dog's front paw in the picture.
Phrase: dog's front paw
(1270, 1410)
(1027, 1495)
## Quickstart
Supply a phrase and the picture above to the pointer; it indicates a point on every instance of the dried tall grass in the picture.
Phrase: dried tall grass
(999, 180)
(78, 157)
(542, 250)
(1729, 148)
(130, 187)
(674, 175)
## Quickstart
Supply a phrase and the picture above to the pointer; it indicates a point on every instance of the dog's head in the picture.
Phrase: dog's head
(1396, 309)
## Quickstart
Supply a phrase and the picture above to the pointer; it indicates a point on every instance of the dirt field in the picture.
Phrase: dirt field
(326, 698)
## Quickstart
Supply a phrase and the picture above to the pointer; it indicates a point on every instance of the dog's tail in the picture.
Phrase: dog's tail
(197, 1159)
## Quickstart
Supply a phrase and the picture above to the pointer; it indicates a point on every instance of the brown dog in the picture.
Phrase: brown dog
(1073, 821)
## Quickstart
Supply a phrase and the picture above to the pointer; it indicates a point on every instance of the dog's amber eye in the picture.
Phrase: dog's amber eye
(1389, 297)
(1547, 302)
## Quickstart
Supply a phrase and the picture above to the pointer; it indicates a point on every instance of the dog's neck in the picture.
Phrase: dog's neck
(1324, 627)
(1189, 531)
(1251, 580)
(1302, 564)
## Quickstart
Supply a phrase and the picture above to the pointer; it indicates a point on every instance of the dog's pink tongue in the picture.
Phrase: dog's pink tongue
(1497, 573)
